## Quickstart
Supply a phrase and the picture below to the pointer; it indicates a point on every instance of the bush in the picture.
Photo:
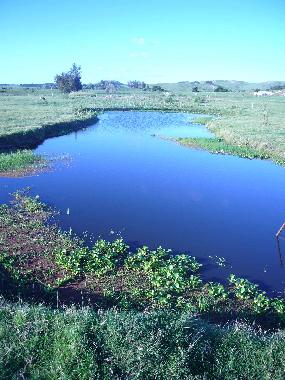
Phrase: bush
(221, 89)
(157, 88)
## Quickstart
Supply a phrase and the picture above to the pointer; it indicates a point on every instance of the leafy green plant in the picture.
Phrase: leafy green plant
(242, 288)
(203, 303)
(106, 256)
(194, 281)
(73, 261)
(147, 260)
(278, 305)
(217, 290)
(260, 303)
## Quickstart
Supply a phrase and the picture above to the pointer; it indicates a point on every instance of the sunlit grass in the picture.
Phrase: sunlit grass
(17, 161)
(219, 146)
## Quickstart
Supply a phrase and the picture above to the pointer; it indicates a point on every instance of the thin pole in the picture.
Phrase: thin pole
(280, 230)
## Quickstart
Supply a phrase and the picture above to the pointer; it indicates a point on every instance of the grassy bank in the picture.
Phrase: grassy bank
(20, 163)
(27, 118)
(219, 146)
(40, 343)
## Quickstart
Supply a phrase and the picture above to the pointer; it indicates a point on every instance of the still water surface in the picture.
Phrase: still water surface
(124, 179)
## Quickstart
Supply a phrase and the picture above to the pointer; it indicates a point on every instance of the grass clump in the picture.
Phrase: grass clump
(20, 162)
(220, 146)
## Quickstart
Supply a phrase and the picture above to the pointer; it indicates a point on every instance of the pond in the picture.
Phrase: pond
(124, 179)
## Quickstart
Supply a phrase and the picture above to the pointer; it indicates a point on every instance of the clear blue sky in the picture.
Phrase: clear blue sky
(150, 40)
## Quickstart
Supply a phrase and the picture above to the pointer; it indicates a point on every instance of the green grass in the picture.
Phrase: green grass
(19, 162)
(219, 146)
(27, 120)
(39, 343)
(202, 120)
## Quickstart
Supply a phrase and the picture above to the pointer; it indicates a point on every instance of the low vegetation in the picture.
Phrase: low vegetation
(150, 314)
(203, 120)
(20, 162)
(219, 146)
(108, 274)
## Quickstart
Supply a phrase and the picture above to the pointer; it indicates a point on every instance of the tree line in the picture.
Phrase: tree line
(70, 81)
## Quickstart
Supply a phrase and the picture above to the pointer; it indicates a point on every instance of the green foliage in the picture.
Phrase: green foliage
(261, 303)
(25, 203)
(104, 257)
(242, 288)
(20, 161)
(278, 305)
(73, 260)
(69, 81)
(147, 260)
(221, 89)
(169, 276)
(217, 291)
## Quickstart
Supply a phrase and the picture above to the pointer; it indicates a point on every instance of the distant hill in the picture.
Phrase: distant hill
(179, 87)
(211, 85)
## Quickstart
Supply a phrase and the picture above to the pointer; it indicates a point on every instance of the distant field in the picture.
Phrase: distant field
(241, 119)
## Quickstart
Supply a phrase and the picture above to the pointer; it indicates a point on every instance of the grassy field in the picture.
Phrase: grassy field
(241, 120)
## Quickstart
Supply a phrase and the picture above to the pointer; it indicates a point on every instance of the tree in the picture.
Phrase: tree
(137, 84)
(69, 81)
(195, 89)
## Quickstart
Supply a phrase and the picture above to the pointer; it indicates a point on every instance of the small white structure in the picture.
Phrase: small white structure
(263, 93)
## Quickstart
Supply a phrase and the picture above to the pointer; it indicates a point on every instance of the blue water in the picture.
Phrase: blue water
(124, 179)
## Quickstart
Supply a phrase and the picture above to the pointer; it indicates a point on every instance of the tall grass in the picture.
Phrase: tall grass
(40, 343)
